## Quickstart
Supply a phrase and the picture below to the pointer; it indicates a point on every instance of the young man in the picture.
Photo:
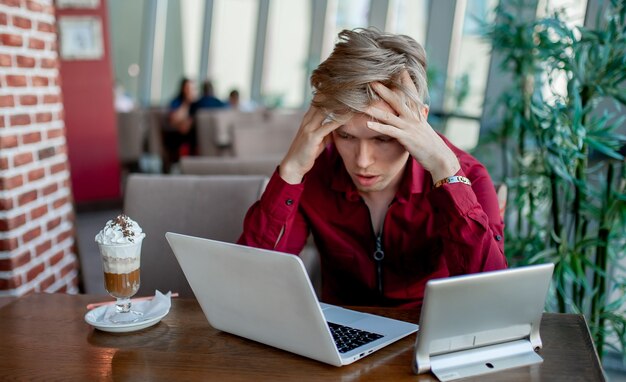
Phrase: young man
(390, 203)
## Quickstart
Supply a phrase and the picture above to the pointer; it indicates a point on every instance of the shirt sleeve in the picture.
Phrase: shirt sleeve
(275, 222)
(470, 225)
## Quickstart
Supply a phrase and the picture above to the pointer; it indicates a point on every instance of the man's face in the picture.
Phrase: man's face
(374, 161)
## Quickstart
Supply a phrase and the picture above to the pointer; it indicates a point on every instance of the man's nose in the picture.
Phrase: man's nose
(364, 155)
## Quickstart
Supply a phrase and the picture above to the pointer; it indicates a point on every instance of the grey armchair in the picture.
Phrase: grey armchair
(206, 206)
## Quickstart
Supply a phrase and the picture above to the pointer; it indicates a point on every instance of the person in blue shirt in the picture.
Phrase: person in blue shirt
(208, 99)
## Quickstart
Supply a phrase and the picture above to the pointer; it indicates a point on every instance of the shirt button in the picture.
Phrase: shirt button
(498, 237)
(289, 202)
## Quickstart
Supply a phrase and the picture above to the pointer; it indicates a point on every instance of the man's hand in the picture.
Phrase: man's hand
(409, 127)
(306, 146)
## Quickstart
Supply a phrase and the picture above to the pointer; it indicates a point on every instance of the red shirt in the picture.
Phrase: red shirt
(427, 232)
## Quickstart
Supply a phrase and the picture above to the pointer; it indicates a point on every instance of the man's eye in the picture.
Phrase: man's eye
(343, 135)
(384, 139)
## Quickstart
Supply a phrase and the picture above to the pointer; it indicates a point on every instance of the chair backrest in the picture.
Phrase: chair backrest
(264, 139)
(229, 165)
(502, 191)
(206, 206)
(131, 135)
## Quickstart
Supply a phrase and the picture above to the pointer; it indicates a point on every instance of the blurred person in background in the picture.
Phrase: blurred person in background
(180, 137)
(208, 99)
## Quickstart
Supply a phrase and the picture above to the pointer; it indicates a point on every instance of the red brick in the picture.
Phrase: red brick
(36, 174)
(8, 142)
(6, 101)
(39, 81)
(68, 268)
(28, 100)
(16, 80)
(6, 204)
(5, 60)
(34, 6)
(31, 138)
(45, 27)
(35, 43)
(35, 271)
(51, 98)
(26, 62)
(58, 168)
(4, 163)
(19, 120)
(10, 39)
(12, 182)
(43, 117)
(12, 223)
(53, 46)
(22, 159)
(38, 212)
(10, 283)
(3, 18)
(14, 262)
(47, 282)
(56, 258)
(43, 247)
(48, 152)
(60, 202)
(10, 3)
(50, 189)
(32, 234)
(49, 63)
(52, 224)
(8, 244)
(22, 22)
(26, 197)
(55, 133)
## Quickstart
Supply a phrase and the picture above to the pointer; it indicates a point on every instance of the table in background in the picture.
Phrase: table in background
(44, 337)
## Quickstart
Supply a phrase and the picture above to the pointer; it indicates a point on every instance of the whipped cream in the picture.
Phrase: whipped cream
(119, 231)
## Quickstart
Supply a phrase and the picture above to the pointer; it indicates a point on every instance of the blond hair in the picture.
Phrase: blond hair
(342, 83)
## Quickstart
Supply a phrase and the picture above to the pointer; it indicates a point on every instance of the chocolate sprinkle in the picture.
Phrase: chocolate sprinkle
(123, 221)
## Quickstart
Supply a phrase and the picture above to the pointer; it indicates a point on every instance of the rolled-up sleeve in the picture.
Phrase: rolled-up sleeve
(468, 221)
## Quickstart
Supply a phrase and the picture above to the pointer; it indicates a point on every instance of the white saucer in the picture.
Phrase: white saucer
(95, 318)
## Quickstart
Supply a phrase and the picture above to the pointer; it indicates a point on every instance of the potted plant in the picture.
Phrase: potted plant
(561, 158)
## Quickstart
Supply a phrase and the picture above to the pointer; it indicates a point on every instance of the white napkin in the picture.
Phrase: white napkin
(156, 307)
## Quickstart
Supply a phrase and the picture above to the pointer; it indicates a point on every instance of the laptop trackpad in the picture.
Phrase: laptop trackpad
(341, 316)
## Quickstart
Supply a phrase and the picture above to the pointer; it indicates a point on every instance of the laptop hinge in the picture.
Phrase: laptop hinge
(484, 360)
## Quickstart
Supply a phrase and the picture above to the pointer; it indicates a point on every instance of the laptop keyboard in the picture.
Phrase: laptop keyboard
(348, 338)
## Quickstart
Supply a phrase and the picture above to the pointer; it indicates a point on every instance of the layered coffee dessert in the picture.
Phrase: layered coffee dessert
(120, 247)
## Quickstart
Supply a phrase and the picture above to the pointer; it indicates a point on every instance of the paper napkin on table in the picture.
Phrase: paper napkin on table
(158, 306)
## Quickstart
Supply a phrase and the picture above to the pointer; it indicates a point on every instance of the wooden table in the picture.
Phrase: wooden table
(44, 337)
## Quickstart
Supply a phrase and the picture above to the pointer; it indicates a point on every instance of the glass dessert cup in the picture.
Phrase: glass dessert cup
(122, 279)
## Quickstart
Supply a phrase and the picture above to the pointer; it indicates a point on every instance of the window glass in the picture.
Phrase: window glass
(573, 13)
(286, 49)
(409, 17)
(468, 67)
(192, 18)
(340, 15)
(231, 54)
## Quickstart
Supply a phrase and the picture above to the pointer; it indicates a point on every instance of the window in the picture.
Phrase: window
(286, 50)
(231, 54)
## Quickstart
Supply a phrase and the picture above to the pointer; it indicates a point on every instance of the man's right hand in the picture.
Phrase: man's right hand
(308, 144)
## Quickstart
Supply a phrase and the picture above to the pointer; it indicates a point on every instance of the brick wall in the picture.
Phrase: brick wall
(36, 210)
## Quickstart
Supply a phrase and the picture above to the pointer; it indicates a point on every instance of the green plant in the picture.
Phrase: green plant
(560, 152)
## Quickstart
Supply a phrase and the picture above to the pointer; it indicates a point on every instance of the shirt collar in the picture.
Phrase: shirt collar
(415, 180)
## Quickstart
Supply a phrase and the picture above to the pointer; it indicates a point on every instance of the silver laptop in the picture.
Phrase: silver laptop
(482, 323)
(267, 297)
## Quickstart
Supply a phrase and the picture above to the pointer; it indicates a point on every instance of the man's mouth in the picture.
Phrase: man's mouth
(366, 180)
